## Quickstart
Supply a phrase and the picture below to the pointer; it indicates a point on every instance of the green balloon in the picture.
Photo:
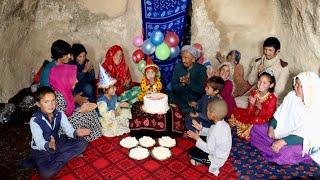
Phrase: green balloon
(162, 51)
(159, 74)
(141, 65)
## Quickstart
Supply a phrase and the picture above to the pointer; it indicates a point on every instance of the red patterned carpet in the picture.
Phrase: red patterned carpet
(106, 159)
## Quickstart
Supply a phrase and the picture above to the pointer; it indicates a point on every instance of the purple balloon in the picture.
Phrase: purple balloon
(174, 51)
(147, 47)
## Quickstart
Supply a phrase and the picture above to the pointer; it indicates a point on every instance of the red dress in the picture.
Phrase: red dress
(244, 119)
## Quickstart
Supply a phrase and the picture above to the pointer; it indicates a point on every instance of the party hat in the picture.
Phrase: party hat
(105, 80)
(149, 63)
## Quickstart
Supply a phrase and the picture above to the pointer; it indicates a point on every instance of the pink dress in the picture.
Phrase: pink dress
(226, 95)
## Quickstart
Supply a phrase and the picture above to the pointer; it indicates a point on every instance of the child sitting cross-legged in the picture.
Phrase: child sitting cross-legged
(51, 151)
(213, 88)
(114, 116)
(215, 151)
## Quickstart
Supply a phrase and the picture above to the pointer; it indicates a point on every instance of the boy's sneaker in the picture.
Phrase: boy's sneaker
(194, 162)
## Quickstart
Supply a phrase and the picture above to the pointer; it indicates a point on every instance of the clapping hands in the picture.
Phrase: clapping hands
(87, 107)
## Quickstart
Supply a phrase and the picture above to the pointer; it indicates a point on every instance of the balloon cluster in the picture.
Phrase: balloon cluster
(164, 47)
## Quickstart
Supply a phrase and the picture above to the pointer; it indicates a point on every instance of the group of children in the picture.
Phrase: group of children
(205, 115)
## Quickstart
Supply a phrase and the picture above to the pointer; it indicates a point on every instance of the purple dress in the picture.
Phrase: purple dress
(226, 95)
(291, 154)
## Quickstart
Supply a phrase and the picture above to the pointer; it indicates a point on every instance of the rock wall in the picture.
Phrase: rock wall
(28, 27)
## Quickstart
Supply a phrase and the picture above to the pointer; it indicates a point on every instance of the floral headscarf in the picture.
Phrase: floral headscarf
(120, 72)
(62, 79)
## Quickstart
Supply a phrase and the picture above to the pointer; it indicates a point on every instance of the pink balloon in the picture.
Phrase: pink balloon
(137, 41)
(171, 39)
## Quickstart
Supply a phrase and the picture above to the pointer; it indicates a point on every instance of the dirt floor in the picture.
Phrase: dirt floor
(14, 147)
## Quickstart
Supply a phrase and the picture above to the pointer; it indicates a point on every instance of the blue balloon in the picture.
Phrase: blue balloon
(147, 47)
(174, 51)
(156, 37)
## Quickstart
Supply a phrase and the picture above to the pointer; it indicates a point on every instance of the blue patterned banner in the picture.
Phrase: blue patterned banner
(164, 15)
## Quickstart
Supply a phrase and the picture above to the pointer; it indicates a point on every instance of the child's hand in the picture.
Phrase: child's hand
(252, 100)
(260, 68)
(79, 99)
(220, 57)
(117, 112)
(124, 104)
(277, 145)
(87, 107)
(193, 135)
(258, 104)
(52, 143)
(194, 115)
(83, 132)
(87, 67)
(193, 104)
(197, 125)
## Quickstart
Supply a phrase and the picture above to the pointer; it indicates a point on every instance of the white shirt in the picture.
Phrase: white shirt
(218, 145)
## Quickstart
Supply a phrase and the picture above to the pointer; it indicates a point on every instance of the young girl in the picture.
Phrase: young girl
(114, 116)
(150, 82)
(241, 86)
(226, 93)
(85, 72)
(262, 105)
(295, 129)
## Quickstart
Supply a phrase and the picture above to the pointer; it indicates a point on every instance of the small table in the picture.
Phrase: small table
(156, 125)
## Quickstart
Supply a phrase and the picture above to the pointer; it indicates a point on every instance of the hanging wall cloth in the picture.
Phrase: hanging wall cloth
(165, 15)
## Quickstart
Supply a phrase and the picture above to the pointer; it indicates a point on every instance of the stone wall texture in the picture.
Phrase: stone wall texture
(28, 27)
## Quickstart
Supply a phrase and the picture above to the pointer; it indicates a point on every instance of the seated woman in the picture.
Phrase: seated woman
(188, 80)
(85, 72)
(294, 131)
(241, 85)
(115, 65)
(63, 79)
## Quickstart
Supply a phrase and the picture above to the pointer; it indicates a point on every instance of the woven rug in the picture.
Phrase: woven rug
(250, 164)
(106, 159)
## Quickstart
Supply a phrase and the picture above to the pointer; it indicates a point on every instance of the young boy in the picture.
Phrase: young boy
(215, 151)
(51, 151)
(214, 86)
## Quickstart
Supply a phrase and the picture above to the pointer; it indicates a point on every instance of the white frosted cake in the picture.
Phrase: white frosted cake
(155, 103)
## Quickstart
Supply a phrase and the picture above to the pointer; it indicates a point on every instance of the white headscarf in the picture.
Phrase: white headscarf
(301, 118)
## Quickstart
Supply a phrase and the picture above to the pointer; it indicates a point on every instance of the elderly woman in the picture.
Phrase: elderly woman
(188, 79)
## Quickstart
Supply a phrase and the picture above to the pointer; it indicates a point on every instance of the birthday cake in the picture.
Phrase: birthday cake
(155, 103)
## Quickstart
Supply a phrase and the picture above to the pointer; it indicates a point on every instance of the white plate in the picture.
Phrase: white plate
(161, 153)
(147, 141)
(167, 141)
(129, 142)
(138, 153)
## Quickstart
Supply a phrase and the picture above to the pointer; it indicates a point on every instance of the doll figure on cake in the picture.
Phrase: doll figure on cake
(114, 116)
(150, 83)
